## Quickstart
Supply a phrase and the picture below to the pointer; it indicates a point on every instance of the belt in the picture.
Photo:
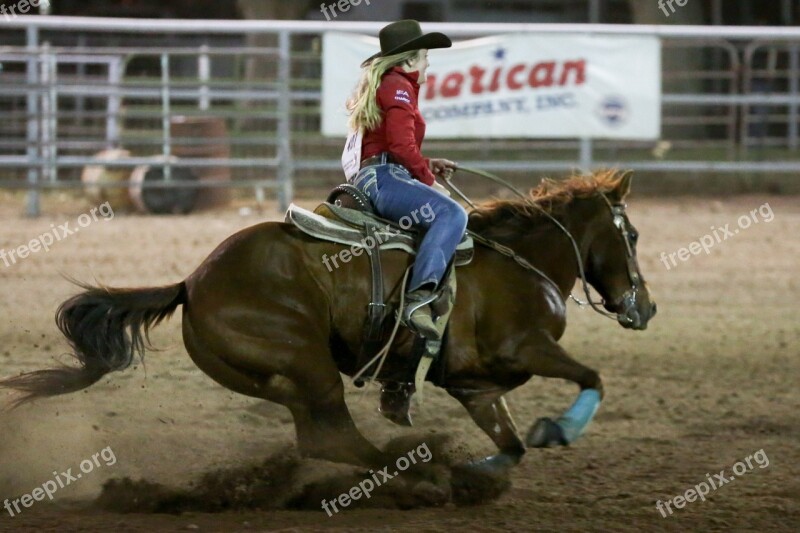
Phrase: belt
(380, 159)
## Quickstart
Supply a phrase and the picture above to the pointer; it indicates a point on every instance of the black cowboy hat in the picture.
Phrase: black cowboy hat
(406, 35)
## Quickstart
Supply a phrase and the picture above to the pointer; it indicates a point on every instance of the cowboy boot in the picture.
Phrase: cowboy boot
(417, 314)
(395, 402)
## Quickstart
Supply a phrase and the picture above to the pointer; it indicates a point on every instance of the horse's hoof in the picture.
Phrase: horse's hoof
(495, 464)
(544, 434)
(395, 404)
(401, 418)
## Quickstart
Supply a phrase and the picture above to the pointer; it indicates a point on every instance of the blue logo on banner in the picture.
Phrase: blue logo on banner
(613, 110)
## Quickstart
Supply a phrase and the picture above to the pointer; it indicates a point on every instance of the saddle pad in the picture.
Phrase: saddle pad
(388, 236)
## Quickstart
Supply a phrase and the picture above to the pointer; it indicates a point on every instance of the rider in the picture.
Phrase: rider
(393, 173)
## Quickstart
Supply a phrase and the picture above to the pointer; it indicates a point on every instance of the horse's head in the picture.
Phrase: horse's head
(591, 211)
(612, 267)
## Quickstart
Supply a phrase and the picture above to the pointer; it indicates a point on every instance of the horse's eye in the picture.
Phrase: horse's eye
(634, 236)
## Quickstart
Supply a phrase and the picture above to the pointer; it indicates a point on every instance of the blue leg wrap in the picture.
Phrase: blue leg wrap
(575, 420)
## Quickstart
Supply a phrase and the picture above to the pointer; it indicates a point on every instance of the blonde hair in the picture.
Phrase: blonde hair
(362, 106)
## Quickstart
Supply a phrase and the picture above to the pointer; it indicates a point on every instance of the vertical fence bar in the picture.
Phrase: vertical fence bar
(113, 103)
(32, 79)
(52, 122)
(794, 90)
(204, 75)
(716, 12)
(165, 113)
(80, 101)
(786, 12)
(586, 158)
(594, 11)
(735, 69)
(285, 187)
(44, 116)
(747, 89)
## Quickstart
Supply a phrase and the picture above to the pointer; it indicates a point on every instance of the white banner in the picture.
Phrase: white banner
(520, 85)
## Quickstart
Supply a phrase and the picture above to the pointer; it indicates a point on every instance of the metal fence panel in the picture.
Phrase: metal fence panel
(62, 100)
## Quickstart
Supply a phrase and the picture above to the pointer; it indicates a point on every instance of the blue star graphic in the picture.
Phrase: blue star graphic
(500, 53)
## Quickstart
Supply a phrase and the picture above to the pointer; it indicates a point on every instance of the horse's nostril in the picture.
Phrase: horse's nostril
(654, 309)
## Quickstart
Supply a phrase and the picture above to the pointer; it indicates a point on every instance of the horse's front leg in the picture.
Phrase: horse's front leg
(546, 358)
(490, 411)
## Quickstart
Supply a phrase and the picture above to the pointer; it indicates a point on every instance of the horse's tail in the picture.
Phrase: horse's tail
(105, 327)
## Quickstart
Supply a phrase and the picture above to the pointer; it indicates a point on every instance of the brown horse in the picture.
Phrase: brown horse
(263, 317)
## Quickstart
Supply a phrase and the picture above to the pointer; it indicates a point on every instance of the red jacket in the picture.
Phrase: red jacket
(402, 130)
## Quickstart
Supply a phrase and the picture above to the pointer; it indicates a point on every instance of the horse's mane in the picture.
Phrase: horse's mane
(549, 195)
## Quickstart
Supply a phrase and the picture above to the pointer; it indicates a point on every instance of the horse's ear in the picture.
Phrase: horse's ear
(622, 189)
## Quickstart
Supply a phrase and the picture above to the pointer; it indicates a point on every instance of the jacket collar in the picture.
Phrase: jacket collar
(413, 77)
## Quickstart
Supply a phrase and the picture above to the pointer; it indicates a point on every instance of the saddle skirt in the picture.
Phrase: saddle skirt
(333, 223)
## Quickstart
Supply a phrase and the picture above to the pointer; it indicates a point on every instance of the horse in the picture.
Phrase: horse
(263, 317)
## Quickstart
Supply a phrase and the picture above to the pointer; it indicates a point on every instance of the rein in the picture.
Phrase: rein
(508, 252)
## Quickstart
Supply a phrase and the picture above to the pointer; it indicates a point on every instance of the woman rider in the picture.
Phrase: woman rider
(394, 174)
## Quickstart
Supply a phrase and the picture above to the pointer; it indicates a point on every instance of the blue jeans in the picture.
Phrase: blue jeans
(398, 197)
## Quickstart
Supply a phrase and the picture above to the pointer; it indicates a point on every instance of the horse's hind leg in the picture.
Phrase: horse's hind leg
(315, 398)
(325, 428)
(550, 360)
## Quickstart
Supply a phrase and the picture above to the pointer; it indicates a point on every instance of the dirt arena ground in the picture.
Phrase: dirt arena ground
(710, 383)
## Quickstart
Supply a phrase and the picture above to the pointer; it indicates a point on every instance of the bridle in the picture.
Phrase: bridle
(626, 303)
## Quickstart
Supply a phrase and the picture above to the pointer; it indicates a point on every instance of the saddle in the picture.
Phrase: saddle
(329, 222)
(347, 218)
